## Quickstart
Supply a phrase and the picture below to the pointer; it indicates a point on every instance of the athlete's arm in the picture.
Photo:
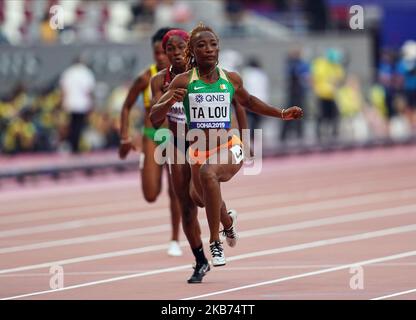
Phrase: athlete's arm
(255, 105)
(156, 85)
(241, 116)
(175, 93)
(139, 85)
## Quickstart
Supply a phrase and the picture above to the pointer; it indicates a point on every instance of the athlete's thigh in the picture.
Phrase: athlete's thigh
(226, 163)
(196, 181)
(181, 178)
(152, 171)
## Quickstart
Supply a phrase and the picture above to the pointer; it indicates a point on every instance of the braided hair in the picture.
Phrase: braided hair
(189, 57)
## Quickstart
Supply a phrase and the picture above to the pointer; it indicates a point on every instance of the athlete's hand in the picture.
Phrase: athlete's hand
(125, 148)
(178, 95)
(292, 113)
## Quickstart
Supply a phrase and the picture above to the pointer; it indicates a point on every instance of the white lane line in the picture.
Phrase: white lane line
(82, 223)
(394, 294)
(270, 212)
(46, 273)
(88, 239)
(309, 194)
(67, 189)
(307, 274)
(325, 176)
(79, 211)
(245, 234)
(298, 247)
(21, 217)
(150, 214)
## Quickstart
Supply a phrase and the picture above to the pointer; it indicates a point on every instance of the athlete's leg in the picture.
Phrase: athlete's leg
(195, 191)
(181, 178)
(151, 172)
(181, 175)
(211, 175)
(175, 208)
(197, 195)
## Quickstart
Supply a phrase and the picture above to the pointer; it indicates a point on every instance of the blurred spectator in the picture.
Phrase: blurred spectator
(47, 34)
(120, 17)
(77, 83)
(173, 13)
(350, 103)
(386, 79)
(256, 81)
(144, 14)
(400, 125)
(375, 112)
(297, 75)
(406, 70)
(20, 134)
(327, 75)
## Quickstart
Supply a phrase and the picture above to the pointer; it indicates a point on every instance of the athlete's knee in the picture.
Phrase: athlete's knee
(196, 199)
(207, 175)
(150, 195)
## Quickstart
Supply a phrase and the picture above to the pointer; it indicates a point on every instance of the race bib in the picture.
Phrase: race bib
(210, 110)
(238, 153)
(177, 113)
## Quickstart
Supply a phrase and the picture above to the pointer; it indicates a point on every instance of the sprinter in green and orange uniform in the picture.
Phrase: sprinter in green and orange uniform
(151, 172)
(175, 42)
(207, 93)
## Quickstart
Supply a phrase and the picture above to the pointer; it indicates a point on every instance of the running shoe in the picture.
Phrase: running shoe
(200, 270)
(217, 253)
(230, 234)
(174, 249)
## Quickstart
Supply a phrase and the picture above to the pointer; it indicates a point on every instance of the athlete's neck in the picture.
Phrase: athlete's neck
(207, 72)
(160, 68)
(175, 70)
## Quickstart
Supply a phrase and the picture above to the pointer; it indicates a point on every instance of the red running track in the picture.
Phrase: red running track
(326, 226)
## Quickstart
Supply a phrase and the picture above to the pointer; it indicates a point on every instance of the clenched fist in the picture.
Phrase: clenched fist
(178, 94)
(125, 148)
(292, 113)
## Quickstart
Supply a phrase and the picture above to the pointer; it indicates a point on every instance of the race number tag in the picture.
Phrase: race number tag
(209, 110)
(238, 154)
(177, 113)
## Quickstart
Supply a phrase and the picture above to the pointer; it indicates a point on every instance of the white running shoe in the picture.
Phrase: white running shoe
(174, 249)
(217, 252)
(230, 234)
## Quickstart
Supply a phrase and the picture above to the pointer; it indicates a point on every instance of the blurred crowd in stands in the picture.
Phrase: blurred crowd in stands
(337, 106)
(28, 21)
(61, 118)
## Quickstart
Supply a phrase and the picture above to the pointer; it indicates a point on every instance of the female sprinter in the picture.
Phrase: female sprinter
(151, 172)
(194, 88)
(174, 43)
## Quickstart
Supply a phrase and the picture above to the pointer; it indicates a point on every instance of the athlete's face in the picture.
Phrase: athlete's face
(159, 56)
(175, 50)
(206, 48)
